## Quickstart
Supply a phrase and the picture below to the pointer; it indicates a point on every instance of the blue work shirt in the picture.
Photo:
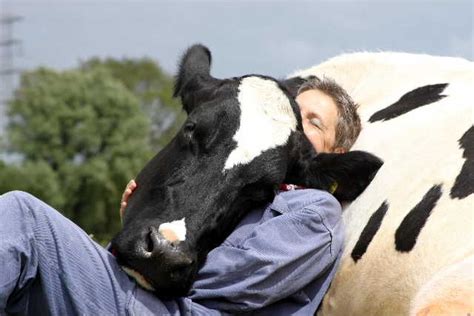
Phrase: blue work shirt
(280, 260)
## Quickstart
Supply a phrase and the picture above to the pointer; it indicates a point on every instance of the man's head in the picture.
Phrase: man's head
(329, 115)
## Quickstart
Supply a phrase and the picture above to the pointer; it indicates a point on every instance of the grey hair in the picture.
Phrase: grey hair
(348, 125)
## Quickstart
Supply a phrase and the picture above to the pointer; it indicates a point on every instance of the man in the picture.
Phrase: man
(278, 261)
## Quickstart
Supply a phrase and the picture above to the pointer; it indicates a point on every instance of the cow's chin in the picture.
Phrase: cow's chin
(139, 278)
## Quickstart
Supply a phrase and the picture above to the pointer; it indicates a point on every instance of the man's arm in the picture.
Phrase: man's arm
(50, 266)
(278, 258)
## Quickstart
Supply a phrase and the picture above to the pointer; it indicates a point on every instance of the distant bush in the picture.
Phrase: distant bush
(80, 135)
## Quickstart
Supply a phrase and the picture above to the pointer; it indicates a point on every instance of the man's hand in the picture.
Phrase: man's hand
(132, 185)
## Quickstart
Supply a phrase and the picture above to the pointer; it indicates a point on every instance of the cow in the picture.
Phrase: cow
(409, 237)
(409, 245)
(242, 138)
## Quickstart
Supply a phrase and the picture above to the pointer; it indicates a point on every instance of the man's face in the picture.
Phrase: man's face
(320, 115)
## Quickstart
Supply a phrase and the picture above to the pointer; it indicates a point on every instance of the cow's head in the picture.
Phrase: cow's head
(243, 136)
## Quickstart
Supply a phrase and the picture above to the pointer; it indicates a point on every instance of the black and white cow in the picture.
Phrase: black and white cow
(409, 237)
(243, 136)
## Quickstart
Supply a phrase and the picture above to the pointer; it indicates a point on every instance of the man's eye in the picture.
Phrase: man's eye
(315, 122)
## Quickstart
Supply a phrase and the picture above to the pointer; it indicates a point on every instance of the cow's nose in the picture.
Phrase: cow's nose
(158, 263)
(163, 249)
(154, 245)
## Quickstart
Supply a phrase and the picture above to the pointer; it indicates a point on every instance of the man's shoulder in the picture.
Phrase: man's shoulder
(295, 200)
(311, 202)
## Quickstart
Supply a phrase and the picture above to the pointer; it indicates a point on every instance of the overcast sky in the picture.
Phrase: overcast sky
(269, 37)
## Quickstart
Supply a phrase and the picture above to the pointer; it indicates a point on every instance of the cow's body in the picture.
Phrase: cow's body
(395, 263)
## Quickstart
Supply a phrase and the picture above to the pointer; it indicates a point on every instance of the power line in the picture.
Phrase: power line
(9, 47)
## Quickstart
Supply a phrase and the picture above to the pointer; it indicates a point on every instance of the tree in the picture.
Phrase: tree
(81, 136)
(36, 178)
(153, 87)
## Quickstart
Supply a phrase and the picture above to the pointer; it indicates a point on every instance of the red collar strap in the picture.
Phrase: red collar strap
(290, 187)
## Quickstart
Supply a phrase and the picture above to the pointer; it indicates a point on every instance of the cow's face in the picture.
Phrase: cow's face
(242, 137)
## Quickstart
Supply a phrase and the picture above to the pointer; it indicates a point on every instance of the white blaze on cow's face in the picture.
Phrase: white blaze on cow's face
(266, 120)
(174, 232)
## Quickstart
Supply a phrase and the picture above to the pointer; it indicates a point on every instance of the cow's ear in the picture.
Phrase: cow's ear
(193, 83)
(345, 175)
(292, 85)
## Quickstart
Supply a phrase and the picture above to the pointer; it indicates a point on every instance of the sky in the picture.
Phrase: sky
(267, 37)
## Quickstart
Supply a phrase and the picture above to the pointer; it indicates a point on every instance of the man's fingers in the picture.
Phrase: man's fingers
(126, 194)
(123, 205)
(132, 185)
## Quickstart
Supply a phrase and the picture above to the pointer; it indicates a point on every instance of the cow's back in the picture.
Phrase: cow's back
(409, 235)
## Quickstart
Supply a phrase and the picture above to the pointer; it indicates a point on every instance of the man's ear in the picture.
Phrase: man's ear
(292, 85)
(345, 175)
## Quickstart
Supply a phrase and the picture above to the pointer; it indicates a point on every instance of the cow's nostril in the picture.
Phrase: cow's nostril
(156, 248)
(149, 242)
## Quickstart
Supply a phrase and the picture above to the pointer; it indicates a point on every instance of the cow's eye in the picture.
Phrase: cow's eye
(188, 134)
(188, 130)
(189, 127)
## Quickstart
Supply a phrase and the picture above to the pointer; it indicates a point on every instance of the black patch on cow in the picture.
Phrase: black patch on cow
(409, 101)
(293, 85)
(369, 232)
(412, 224)
(464, 184)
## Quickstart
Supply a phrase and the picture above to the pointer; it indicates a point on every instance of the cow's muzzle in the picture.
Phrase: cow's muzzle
(157, 263)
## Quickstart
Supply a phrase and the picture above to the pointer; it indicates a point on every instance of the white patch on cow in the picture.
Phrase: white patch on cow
(174, 231)
(139, 278)
(266, 120)
(449, 292)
